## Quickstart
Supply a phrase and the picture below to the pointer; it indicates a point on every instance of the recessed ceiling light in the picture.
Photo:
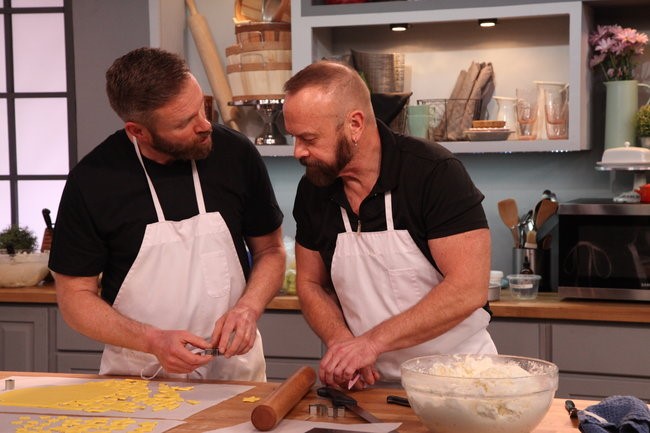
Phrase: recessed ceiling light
(487, 22)
(399, 27)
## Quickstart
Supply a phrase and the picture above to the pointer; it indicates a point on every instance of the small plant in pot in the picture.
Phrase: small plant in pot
(20, 266)
(642, 120)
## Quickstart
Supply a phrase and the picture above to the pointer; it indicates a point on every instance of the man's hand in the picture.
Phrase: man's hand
(235, 332)
(345, 359)
(171, 349)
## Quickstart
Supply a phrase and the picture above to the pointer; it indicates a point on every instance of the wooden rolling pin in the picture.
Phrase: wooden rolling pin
(277, 404)
(212, 64)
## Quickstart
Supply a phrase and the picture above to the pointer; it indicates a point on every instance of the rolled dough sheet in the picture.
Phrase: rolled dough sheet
(19, 423)
(113, 397)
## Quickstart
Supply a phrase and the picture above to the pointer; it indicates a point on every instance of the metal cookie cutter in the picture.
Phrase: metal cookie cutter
(9, 384)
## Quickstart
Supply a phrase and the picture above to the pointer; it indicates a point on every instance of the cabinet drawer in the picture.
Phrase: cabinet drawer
(287, 335)
(281, 369)
(78, 362)
(69, 339)
(513, 337)
(603, 349)
(586, 387)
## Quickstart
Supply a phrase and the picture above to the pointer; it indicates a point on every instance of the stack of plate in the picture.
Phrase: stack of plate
(488, 130)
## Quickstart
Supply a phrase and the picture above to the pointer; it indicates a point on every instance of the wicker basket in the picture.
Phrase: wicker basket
(384, 72)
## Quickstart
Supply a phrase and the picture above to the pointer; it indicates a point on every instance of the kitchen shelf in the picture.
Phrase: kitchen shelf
(546, 41)
(276, 150)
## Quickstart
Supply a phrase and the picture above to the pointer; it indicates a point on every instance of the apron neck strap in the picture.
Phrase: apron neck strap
(388, 206)
(198, 191)
(154, 196)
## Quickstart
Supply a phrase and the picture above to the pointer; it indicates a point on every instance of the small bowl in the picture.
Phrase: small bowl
(22, 269)
(479, 393)
(524, 286)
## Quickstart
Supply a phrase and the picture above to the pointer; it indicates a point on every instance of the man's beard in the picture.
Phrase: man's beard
(198, 149)
(322, 174)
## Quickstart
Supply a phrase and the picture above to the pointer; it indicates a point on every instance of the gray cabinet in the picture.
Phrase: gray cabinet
(24, 338)
(75, 353)
(289, 343)
(596, 360)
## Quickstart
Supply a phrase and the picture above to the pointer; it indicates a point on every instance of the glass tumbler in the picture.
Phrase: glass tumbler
(556, 108)
(527, 113)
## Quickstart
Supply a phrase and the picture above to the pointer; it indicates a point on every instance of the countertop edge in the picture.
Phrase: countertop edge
(547, 306)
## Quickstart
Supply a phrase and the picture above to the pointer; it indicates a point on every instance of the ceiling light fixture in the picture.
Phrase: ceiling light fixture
(488, 22)
(399, 27)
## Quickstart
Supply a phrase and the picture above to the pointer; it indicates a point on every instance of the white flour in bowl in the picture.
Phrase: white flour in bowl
(481, 396)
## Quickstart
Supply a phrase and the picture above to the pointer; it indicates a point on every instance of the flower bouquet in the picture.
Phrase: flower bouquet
(614, 49)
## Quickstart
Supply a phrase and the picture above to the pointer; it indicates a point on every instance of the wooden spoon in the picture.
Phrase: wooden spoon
(510, 216)
(546, 209)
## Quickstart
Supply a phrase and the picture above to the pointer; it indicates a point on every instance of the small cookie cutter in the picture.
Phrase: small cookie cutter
(10, 384)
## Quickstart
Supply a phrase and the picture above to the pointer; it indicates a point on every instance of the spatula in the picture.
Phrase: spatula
(510, 216)
(546, 209)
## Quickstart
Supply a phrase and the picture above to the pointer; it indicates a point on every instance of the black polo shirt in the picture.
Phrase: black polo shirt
(432, 197)
(107, 204)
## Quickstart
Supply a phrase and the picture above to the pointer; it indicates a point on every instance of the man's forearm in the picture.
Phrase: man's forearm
(88, 314)
(265, 279)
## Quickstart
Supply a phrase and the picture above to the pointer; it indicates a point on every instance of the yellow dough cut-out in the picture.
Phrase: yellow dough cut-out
(121, 395)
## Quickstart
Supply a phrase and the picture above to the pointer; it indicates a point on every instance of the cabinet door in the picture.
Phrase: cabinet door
(287, 335)
(78, 362)
(614, 349)
(518, 337)
(589, 387)
(24, 342)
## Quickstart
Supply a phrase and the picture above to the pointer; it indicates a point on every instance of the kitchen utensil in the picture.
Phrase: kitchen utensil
(543, 234)
(273, 408)
(571, 408)
(46, 244)
(272, 10)
(341, 399)
(546, 209)
(395, 399)
(549, 195)
(510, 216)
(212, 64)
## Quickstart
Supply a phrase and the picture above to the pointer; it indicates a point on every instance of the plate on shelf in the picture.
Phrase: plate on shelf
(488, 134)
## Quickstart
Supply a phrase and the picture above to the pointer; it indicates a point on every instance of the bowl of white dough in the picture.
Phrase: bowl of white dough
(23, 269)
(479, 393)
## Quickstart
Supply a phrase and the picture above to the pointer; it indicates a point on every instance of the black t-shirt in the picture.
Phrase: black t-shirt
(106, 203)
(432, 197)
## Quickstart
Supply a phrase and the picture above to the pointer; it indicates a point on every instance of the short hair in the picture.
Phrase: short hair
(144, 80)
(339, 80)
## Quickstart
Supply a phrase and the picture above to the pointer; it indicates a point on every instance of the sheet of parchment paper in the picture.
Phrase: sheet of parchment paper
(200, 397)
(297, 426)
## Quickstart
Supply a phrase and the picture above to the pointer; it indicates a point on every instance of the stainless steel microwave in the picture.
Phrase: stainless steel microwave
(603, 250)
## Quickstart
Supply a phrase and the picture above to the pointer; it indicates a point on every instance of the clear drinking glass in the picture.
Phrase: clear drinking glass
(527, 113)
(556, 108)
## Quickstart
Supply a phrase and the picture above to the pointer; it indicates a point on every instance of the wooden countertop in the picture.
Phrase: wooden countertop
(546, 306)
(234, 411)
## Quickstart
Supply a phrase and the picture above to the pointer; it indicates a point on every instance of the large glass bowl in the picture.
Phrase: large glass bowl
(479, 393)
(22, 269)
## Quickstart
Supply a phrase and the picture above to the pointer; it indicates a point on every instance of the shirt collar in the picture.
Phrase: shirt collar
(389, 166)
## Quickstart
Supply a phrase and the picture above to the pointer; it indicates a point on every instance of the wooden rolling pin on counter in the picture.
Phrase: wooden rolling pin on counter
(546, 306)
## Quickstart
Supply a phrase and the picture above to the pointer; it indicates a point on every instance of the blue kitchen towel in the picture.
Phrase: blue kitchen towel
(616, 414)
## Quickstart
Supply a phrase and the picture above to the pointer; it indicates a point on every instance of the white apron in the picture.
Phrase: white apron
(378, 275)
(187, 274)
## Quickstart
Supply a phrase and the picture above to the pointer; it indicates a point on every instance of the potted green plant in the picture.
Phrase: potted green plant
(20, 265)
(15, 239)
(642, 120)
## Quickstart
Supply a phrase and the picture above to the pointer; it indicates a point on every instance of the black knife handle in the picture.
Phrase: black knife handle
(395, 399)
(338, 398)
